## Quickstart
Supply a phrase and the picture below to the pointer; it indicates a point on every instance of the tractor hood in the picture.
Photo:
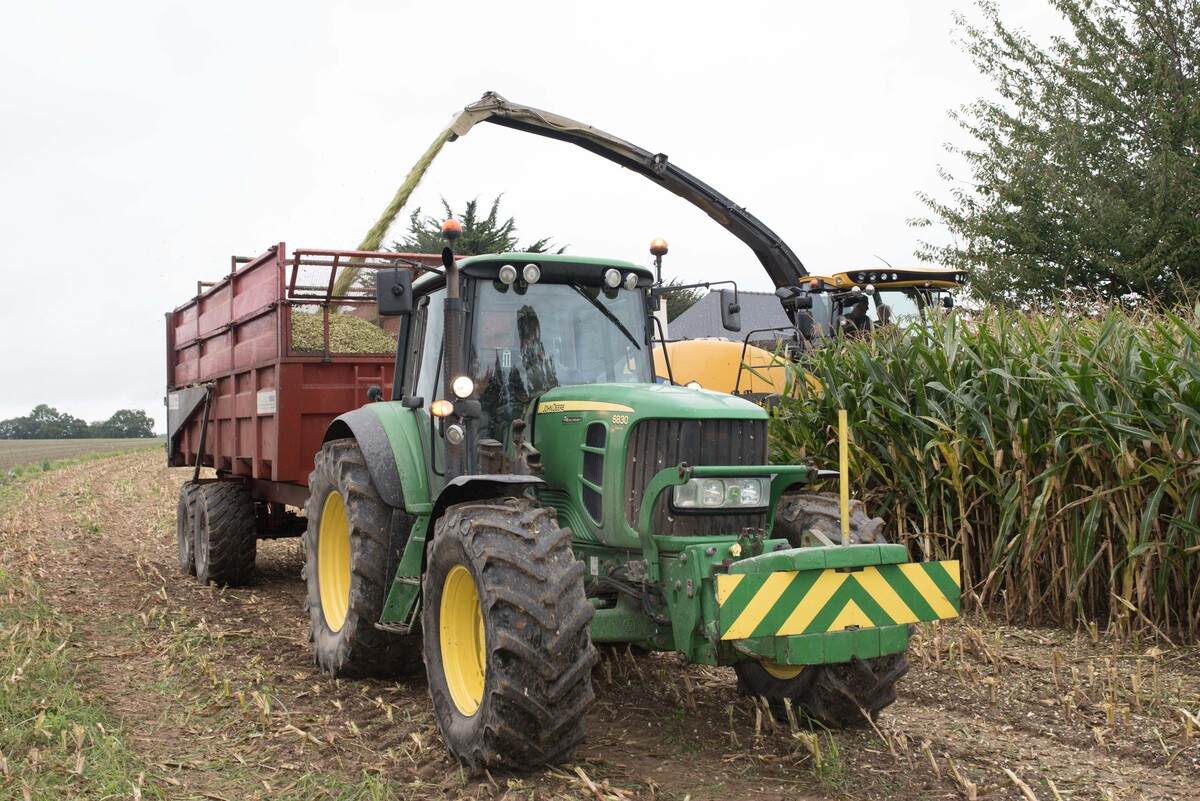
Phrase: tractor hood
(633, 402)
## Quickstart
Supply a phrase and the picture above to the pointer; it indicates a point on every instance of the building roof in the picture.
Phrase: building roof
(703, 319)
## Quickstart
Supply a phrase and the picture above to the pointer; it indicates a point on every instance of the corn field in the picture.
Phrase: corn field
(1058, 458)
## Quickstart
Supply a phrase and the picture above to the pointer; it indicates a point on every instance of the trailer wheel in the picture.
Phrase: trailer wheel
(834, 695)
(507, 645)
(185, 527)
(352, 547)
(224, 534)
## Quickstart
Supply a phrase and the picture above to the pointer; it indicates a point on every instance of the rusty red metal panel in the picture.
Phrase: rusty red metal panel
(270, 407)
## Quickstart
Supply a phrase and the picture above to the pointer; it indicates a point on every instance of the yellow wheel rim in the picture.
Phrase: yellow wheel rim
(783, 672)
(464, 651)
(333, 561)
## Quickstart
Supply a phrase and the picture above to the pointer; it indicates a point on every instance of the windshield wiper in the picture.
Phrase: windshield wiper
(603, 310)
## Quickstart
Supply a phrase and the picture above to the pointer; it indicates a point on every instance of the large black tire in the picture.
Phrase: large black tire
(358, 538)
(507, 641)
(185, 527)
(837, 695)
(225, 538)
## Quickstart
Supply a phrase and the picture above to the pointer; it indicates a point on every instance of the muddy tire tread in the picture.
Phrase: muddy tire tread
(540, 656)
(378, 533)
(225, 534)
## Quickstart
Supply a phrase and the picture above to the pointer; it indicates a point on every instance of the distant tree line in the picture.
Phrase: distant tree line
(46, 422)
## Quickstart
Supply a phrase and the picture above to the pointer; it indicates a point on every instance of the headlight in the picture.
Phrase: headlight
(462, 386)
(721, 493)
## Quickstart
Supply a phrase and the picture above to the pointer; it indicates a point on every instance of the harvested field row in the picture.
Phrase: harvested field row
(215, 695)
(21, 452)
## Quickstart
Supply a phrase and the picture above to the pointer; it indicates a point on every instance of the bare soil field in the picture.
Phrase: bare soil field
(216, 695)
(21, 452)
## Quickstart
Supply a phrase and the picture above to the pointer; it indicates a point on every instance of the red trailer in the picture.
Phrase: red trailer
(262, 361)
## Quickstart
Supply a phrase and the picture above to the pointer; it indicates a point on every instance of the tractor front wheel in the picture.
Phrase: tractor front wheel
(352, 547)
(507, 645)
(836, 695)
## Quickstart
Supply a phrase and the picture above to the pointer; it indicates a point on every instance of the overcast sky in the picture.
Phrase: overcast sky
(143, 143)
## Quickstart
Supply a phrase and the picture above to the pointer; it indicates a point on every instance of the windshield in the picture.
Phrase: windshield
(886, 307)
(528, 339)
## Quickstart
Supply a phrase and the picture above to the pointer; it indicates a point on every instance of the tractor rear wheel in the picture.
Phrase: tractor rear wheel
(185, 527)
(507, 645)
(835, 695)
(224, 534)
(352, 547)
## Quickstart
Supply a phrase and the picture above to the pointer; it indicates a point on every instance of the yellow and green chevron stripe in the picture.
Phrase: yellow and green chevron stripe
(790, 602)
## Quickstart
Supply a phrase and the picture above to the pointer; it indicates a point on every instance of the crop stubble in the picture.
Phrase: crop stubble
(217, 692)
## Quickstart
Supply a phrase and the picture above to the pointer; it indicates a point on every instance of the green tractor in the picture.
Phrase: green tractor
(531, 491)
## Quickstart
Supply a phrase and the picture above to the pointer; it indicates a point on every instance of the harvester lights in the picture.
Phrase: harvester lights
(870, 288)
(895, 277)
(531, 273)
(441, 408)
(508, 275)
(862, 277)
(462, 386)
(631, 281)
(721, 493)
(612, 278)
(455, 434)
(874, 277)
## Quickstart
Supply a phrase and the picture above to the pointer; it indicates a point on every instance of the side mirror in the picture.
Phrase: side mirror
(731, 312)
(393, 292)
(948, 301)
(803, 301)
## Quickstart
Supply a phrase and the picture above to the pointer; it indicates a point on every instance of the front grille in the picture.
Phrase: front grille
(658, 444)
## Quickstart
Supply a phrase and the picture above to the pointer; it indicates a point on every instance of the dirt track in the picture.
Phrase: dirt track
(217, 690)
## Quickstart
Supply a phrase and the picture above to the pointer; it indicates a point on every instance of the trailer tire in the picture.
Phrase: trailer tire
(507, 641)
(224, 534)
(833, 695)
(185, 527)
(357, 538)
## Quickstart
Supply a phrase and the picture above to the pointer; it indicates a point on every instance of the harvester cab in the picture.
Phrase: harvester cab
(826, 306)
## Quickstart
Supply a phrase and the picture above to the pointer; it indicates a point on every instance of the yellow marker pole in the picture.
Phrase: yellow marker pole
(844, 469)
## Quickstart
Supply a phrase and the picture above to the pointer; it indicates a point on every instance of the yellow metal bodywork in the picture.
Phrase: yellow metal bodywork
(714, 364)
(463, 641)
(333, 561)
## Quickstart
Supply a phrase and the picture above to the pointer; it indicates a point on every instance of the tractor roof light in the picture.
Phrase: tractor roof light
(658, 247)
(532, 273)
(455, 434)
(462, 386)
(441, 408)
(693, 385)
(452, 229)
(631, 281)
(508, 275)
(612, 278)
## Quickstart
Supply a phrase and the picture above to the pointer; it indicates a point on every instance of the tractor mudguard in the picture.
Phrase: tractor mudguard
(475, 488)
(387, 435)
